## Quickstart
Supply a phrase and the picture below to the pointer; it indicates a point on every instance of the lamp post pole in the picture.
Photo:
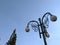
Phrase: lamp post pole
(43, 31)
(42, 24)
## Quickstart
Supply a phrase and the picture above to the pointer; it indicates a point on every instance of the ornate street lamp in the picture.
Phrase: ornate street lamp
(42, 25)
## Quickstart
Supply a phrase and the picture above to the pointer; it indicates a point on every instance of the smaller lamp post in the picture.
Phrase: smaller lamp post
(42, 24)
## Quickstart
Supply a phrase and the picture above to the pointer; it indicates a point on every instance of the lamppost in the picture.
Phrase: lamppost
(42, 25)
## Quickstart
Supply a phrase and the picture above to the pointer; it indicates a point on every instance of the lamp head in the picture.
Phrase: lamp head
(27, 29)
(53, 18)
(47, 35)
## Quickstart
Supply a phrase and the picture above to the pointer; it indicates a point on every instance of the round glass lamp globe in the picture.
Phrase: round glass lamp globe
(47, 35)
(53, 18)
(27, 29)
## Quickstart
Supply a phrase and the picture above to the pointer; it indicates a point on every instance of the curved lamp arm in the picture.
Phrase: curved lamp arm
(27, 28)
(45, 15)
(32, 21)
(52, 17)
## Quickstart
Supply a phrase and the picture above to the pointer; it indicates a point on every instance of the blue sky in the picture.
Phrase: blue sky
(17, 13)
